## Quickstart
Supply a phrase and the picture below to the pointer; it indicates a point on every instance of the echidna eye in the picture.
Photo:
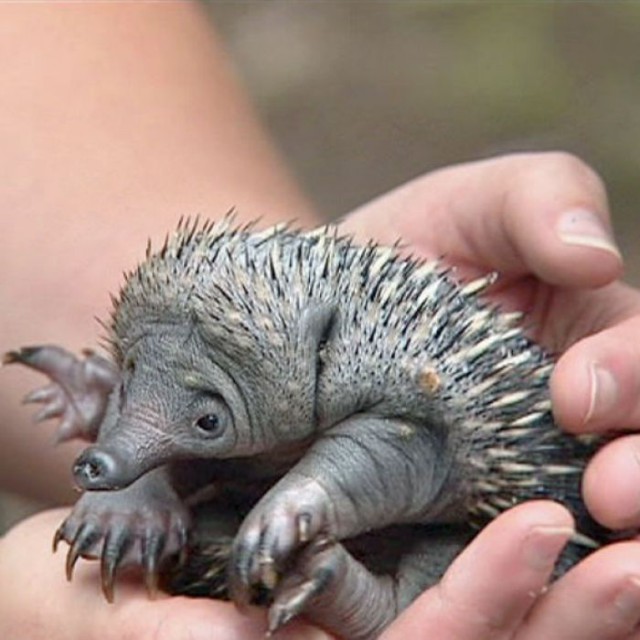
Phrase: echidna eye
(209, 423)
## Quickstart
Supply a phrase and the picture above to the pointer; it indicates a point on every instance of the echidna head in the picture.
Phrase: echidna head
(174, 402)
(219, 355)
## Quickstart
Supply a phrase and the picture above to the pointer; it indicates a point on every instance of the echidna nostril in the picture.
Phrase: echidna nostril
(95, 469)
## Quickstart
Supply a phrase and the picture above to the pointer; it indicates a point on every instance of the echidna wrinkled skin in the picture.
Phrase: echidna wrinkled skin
(343, 392)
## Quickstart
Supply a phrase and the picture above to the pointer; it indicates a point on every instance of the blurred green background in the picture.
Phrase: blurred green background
(362, 96)
(365, 95)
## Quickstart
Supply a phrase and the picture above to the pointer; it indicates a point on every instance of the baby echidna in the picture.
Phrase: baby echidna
(349, 411)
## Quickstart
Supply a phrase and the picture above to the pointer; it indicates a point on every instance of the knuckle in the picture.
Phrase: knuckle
(563, 162)
(568, 166)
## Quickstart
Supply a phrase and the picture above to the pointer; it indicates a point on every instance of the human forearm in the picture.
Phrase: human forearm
(115, 120)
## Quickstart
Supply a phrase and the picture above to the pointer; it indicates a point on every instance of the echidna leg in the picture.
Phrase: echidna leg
(340, 594)
(364, 474)
(141, 525)
(78, 392)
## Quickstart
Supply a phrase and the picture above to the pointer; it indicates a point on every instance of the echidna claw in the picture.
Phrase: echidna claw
(282, 612)
(304, 527)
(239, 588)
(151, 583)
(53, 410)
(72, 557)
(278, 617)
(268, 573)
(42, 394)
(22, 355)
(151, 553)
(57, 536)
(183, 539)
(9, 357)
(107, 579)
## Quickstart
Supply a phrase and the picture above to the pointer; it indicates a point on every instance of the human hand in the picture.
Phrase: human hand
(37, 603)
(541, 221)
(497, 588)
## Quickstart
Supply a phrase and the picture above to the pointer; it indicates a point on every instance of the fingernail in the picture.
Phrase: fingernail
(603, 392)
(543, 545)
(583, 228)
(627, 602)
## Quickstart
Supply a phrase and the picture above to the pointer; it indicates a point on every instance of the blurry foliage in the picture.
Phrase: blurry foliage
(365, 95)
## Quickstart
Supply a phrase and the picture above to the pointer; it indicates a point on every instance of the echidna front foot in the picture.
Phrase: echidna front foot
(276, 529)
(140, 526)
(78, 392)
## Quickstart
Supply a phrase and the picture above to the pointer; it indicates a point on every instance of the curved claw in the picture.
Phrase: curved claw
(84, 539)
(151, 552)
(304, 521)
(294, 595)
(43, 394)
(21, 355)
(183, 535)
(268, 573)
(239, 576)
(114, 548)
(151, 581)
(286, 609)
(107, 581)
(53, 410)
(72, 557)
(57, 536)
(282, 612)
(183, 539)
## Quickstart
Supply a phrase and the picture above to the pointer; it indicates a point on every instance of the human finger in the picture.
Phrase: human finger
(540, 213)
(30, 573)
(611, 484)
(493, 584)
(599, 599)
(596, 384)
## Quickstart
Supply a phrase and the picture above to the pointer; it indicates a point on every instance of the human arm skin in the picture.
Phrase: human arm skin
(116, 119)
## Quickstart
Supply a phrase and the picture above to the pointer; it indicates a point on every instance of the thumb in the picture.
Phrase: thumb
(540, 213)
(474, 601)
